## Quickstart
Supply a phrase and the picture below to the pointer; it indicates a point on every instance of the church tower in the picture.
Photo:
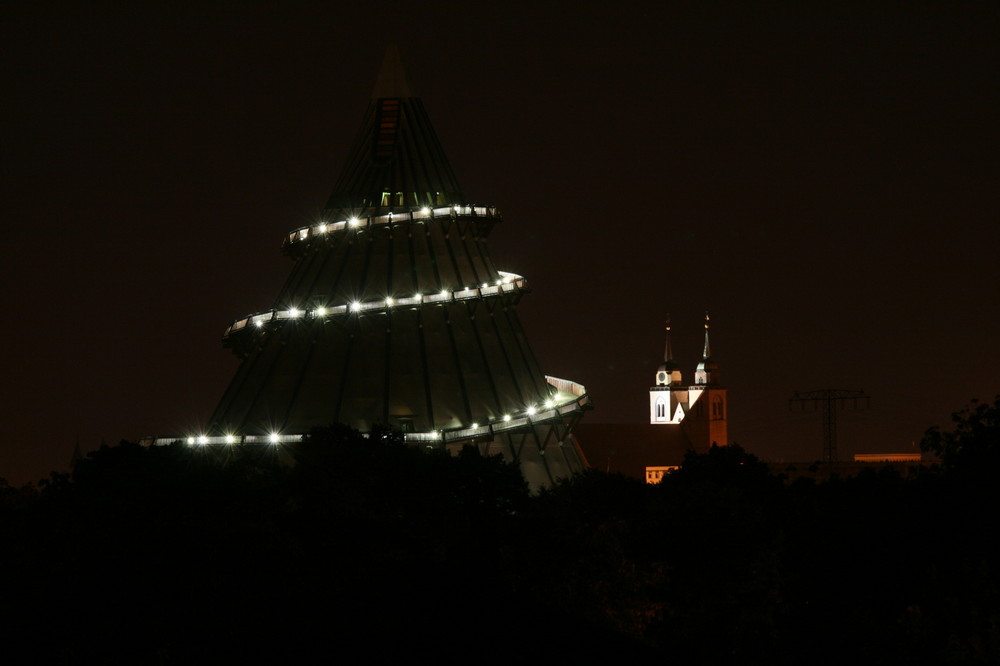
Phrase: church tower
(700, 410)
(394, 314)
(667, 398)
(706, 422)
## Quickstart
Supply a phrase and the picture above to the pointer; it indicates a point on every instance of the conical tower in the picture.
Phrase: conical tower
(395, 314)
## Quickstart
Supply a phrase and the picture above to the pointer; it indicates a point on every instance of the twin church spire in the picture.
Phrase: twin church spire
(700, 409)
(707, 371)
(669, 374)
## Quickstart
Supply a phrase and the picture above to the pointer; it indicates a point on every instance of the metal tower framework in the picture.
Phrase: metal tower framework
(831, 399)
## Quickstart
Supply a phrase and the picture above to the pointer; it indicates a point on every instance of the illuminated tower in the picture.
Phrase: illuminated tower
(395, 314)
(667, 398)
(701, 409)
(706, 423)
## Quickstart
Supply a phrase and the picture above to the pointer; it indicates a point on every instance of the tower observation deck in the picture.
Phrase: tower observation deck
(394, 314)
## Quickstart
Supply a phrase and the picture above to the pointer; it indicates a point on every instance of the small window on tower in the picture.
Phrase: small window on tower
(387, 124)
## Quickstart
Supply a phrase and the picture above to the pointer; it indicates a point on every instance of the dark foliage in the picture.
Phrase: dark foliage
(366, 549)
(340, 547)
(973, 447)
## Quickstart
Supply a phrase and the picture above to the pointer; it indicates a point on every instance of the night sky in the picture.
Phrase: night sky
(823, 179)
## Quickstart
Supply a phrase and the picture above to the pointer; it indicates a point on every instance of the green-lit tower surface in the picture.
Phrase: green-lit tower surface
(395, 314)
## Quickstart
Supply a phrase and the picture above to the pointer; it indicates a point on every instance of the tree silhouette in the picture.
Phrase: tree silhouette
(347, 545)
(973, 446)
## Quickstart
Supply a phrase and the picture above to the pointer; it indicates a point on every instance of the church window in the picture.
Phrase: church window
(661, 410)
(718, 411)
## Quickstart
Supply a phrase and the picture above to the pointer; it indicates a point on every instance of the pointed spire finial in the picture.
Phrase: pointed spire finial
(668, 353)
(707, 353)
(391, 78)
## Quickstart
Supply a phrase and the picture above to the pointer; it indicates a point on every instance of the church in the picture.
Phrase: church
(682, 417)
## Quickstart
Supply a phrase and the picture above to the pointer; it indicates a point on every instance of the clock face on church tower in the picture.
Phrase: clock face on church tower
(661, 377)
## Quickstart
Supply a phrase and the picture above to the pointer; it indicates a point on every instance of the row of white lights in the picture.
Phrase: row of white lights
(424, 213)
(302, 234)
(277, 438)
(260, 318)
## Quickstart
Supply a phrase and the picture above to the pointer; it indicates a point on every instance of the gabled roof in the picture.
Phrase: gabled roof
(397, 160)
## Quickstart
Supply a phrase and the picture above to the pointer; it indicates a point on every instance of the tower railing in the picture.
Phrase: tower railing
(569, 397)
(507, 284)
(323, 227)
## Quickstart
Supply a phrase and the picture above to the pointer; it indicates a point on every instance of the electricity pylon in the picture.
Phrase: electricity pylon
(831, 399)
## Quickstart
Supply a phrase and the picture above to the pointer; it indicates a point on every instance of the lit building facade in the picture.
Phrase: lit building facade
(700, 410)
(682, 418)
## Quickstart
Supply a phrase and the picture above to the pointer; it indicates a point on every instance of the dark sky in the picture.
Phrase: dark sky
(822, 178)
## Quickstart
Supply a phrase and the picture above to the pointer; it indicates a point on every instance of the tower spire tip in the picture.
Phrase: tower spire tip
(707, 353)
(668, 353)
(391, 80)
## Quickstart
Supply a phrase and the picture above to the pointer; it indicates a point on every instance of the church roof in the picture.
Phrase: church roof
(707, 371)
(397, 160)
(668, 364)
(707, 352)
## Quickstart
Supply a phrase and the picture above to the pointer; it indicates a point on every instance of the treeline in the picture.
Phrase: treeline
(368, 550)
